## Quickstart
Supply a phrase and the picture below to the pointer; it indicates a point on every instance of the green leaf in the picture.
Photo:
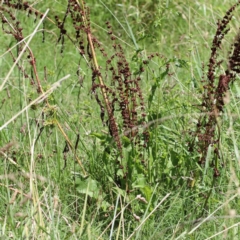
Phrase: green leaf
(140, 181)
(120, 191)
(174, 157)
(100, 136)
(88, 186)
(126, 141)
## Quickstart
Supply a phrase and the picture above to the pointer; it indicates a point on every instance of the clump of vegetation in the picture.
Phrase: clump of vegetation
(122, 165)
(215, 90)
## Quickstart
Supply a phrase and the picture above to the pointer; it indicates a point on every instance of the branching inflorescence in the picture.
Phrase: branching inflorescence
(215, 91)
(12, 26)
(115, 87)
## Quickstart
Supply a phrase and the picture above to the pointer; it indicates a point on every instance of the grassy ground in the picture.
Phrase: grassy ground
(58, 177)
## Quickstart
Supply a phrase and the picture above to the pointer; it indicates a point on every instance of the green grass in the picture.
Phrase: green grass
(44, 193)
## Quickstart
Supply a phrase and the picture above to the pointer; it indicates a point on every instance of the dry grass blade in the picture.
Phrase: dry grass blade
(23, 50)
(223, 231)
(140, 225)
(36, 101)
(210, 215)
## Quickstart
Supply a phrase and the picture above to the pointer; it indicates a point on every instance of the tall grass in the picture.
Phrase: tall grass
(116, 125)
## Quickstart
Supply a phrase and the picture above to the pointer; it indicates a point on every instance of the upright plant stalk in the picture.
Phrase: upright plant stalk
(17, 34)
(112, 123)
(208, 131)
(214, 92)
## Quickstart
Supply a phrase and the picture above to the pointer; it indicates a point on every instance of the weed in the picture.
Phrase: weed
(216, 93)
(104, 165)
